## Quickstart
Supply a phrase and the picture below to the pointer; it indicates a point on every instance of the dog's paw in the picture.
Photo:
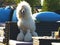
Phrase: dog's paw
(34, 34)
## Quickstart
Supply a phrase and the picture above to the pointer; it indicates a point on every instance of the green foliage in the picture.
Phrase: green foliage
(17, 1)
(51, 5)
(33, 3)
(9, 1)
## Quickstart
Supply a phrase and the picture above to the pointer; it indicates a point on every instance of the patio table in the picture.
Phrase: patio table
(44, 40)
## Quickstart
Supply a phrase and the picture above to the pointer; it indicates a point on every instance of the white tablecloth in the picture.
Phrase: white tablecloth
(55, 43)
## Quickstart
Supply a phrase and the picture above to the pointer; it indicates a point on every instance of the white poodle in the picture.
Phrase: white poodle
(25, 22)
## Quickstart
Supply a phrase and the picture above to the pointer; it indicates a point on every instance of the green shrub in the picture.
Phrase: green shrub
(32, 3)
(51, 5)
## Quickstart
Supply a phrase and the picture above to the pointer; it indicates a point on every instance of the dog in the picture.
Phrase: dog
(25, 22)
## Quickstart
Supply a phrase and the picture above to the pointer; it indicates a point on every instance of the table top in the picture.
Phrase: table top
(14, 42)
(44, 37)
(55, 43)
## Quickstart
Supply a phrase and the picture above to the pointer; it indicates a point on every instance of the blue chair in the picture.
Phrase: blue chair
(14, 18)
(5, 14)
(47, 16)
(47, 22)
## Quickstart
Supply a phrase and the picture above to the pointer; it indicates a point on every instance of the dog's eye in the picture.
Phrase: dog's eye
(22, 11)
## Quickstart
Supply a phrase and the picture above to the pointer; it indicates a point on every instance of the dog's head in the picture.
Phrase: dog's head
(23, 10)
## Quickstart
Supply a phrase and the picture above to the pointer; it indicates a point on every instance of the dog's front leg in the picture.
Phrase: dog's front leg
(28, 36)
(20, 36)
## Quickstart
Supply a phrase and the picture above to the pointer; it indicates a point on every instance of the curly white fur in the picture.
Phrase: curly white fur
(25, 20)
